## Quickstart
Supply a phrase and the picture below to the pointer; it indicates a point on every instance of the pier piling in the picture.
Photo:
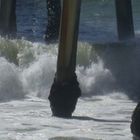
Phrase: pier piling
(65, 89)
(7, 17)
(53, 24)
(124, 19)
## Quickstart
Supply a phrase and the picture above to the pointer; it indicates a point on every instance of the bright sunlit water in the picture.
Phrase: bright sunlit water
(108, 74)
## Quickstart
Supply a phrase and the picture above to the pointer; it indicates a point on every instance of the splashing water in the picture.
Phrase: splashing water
(30, 74)
(10, 81)
(101, 72)
(108, 75)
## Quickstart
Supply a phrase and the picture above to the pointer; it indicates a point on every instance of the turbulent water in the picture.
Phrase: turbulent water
(107, 70)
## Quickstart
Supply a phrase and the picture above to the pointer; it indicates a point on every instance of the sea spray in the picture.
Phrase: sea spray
(10, 81)
(99, 71)
(9, 49)
(39, 67)
(31, 52)
(122, 60)
(38, 77)
(95, 79)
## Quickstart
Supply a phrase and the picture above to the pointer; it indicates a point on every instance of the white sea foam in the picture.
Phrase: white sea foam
(39, 70)
(106, 115)
(38, 77)
(95, 79)
(97, 74)
(10, 81)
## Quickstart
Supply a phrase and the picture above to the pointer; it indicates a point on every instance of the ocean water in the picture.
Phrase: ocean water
(107, 70)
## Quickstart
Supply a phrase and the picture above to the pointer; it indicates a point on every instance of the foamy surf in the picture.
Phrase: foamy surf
(100, 117)
(103, 112)
(101, 69)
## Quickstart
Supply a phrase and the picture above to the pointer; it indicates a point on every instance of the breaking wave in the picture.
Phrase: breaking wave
(28, 68)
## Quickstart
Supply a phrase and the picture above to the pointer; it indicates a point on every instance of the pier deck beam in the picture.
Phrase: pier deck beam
(124, 19)
(65, 89)
(7, 17)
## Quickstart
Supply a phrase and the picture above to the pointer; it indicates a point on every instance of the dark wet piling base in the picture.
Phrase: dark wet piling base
(63, 97)
(135, 125)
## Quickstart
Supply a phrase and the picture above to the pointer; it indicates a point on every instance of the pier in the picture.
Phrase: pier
(65, 89)
(54, 15)
(8, 17)
(124, 16)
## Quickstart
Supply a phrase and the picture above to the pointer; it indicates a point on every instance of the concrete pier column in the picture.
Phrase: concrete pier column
(53, 23)
(65, 89)
(8, 17)
(124, 19)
